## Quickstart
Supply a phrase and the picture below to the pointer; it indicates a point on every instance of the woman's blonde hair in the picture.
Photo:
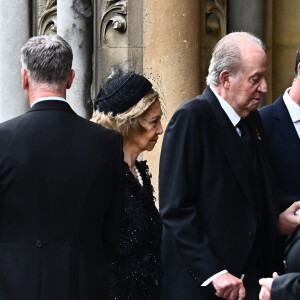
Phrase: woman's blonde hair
(127, 122)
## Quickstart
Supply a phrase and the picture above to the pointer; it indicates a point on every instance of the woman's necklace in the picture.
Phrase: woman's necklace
(138, 175)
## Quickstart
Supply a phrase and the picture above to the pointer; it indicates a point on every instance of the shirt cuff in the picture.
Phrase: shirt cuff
(210, 279)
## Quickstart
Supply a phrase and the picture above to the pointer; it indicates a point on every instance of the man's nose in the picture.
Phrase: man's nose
(263, 87)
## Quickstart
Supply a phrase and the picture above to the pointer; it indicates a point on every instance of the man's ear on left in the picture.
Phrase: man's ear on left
(24, 76)
(298, 69)
(71, 78)
(224, 78)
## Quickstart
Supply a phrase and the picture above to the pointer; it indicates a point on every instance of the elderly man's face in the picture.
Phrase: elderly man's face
(246, 88)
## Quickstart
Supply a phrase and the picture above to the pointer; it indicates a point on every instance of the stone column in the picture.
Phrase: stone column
(75, 25)
(172, 57)
(14, 33)
(246, 16)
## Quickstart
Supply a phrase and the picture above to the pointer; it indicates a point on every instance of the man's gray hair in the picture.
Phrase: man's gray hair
(227, 55)
(47, 59)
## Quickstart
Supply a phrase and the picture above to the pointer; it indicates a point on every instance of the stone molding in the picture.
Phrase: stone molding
(115, 14)
(48, 20)
(216, 16)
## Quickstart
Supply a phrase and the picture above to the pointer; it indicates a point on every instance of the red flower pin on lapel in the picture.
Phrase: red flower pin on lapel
(257, 133)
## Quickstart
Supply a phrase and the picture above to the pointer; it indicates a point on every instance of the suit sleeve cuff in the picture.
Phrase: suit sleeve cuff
(210, 279)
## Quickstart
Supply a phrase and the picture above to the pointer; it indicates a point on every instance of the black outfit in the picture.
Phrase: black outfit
(283, 145)
(287, 286)
(61, 193)
(218, 204)
(136, 271)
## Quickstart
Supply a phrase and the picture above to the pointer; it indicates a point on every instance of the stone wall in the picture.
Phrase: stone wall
(170, 41)
(283, 40)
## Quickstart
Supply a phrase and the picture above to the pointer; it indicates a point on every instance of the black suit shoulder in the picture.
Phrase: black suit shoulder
(11, 123)
(267, 110)
(191, 114)
(198, 104)
(266, 113)
(286, 287)
(68, 118)
(97, 129)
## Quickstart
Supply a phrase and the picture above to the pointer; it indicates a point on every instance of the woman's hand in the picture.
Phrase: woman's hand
(266, 285)
(288, 220)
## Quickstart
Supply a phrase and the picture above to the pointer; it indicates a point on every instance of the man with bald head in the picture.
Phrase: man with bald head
(217, 197)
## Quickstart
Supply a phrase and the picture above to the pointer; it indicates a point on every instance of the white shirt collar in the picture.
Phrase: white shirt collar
(230, 112)
(48, 98)
(292, 106)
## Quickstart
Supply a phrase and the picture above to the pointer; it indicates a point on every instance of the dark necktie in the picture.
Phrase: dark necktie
(246, 137)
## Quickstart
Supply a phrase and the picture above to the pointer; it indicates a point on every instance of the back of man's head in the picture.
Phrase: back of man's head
(47, 59)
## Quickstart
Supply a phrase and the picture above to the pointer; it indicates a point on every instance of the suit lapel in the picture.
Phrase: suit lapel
(257, 138)
(284, 124)
(232, 147)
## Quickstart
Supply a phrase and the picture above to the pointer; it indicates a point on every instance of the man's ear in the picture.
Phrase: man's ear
(70, 80)
(224, 79)
(24, 75)
(298, 69)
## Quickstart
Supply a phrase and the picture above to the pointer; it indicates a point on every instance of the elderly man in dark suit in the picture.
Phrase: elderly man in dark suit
(217, 198)
(60, 188)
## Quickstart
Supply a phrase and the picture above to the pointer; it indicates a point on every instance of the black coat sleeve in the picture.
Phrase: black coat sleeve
(286, 287)
(179, 175)
(115, 209)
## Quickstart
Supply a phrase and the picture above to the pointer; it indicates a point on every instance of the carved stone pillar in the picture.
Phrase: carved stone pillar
(75, 25)
(172, 56)
(215, 28)
(247, 16)
(14, 33)
(45, 17)
(118, 36)
(216, 17)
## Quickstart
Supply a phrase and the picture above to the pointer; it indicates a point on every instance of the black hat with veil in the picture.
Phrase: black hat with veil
(121, 91)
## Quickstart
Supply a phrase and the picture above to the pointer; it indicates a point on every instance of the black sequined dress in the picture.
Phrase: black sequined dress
(136, 273)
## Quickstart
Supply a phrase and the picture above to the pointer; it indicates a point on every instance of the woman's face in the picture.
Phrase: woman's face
(151, 122)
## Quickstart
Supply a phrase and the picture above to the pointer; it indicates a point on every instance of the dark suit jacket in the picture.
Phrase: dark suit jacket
(288, 286)
(283, 144)
(207, 196)
(60, 204)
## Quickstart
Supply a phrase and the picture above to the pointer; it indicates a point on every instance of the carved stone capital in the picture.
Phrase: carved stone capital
(48, 21)
(216, 16)
(115, 14)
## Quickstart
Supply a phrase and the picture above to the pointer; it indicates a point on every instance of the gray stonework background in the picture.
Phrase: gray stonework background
(14, 32)
(100, 32)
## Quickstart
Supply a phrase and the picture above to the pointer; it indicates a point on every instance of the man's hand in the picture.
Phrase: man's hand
(229, 287)
(288, 221)
(266, 285)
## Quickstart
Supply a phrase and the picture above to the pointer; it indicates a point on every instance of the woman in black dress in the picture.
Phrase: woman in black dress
(128, 103)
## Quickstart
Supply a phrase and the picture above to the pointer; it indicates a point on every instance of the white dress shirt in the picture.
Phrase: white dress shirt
(230, 112)
(48, 98)
(293, 109)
